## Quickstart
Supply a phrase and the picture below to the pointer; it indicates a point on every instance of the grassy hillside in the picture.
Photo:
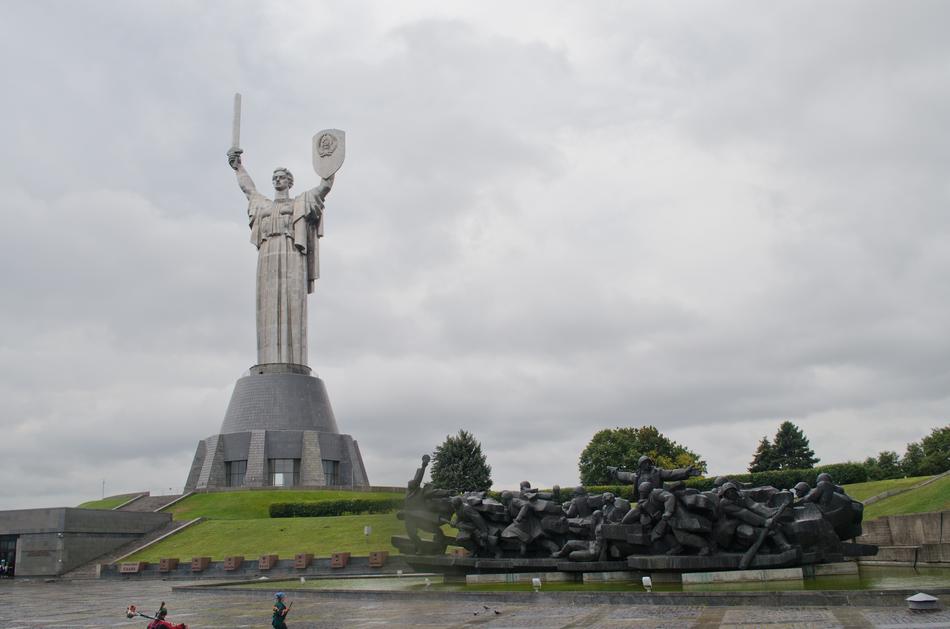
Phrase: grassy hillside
(863, 491)
(933, 497)
(110, 502)
(283, 536)
(246, 505)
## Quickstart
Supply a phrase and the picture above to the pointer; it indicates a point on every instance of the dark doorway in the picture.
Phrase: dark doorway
(8, 553)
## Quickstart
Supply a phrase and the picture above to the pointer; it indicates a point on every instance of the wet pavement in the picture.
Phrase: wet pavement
(87, 603)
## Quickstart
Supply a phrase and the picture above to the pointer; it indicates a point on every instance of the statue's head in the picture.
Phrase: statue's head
(456, 502)
(801, 489)
(720, 481)
(824, 477)
(645, 462)
(580, 491)
(282, 178)
(609, 498)
(506, 497)
(425, 457)
(730, 490)
(644, 490)
(525, 485)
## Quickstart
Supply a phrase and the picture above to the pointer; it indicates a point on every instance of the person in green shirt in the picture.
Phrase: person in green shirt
(280, 612)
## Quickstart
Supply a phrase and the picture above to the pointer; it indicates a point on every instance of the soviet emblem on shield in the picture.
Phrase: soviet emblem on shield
(329, 150)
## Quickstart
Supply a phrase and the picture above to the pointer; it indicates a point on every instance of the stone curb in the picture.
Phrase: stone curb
(130, 501)
(178, 499)
(903, 490)
(158, 539)
(816, 598)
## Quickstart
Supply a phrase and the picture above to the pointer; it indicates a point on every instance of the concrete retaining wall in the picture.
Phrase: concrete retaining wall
(249, 570)
(54, 541)
(912, 529)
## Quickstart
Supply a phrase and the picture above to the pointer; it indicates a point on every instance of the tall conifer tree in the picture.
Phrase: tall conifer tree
(458, 464)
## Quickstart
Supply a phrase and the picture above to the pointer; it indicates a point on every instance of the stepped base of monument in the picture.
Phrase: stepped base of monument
(458, 564)
(279, 431)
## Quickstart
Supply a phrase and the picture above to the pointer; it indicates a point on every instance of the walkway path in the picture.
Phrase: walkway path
(35, 604)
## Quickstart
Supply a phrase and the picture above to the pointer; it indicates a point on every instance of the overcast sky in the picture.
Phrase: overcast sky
(553, 218)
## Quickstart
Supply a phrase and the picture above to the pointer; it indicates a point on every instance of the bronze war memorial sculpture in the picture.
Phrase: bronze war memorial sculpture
(664, 526)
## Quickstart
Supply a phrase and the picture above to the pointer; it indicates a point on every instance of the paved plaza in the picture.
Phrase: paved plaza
(102, 604)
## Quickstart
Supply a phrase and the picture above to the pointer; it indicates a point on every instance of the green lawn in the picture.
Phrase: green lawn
(107, 503)
(863, 491)
(282, 536)
(933, 497)
(248, 505)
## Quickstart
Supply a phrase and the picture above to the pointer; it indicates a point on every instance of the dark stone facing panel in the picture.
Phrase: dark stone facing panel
(279, 401)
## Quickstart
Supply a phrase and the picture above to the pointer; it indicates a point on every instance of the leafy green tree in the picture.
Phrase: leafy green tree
(886, 465)
(913, 460)
(791, 450)
(622, 447)
(936, 447)
(763, 459)
(458, 464)
(889, 464)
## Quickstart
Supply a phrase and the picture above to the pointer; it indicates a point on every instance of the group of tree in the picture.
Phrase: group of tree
(789, 450)
(623, 447)
(929, 456)
(459, 464)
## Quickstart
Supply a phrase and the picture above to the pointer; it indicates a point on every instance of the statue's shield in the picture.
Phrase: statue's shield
(329, 149)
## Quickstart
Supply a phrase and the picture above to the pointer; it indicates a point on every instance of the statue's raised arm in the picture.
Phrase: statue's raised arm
(243, 178)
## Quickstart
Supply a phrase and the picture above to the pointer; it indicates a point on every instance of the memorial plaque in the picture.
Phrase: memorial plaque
(199, 564)
(302, 560)
(132, 568)
(339, 560)
(168, 564)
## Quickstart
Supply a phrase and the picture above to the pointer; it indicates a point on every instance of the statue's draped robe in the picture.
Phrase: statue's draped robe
(286, 233)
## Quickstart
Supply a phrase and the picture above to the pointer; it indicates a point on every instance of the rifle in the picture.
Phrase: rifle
(749, 555)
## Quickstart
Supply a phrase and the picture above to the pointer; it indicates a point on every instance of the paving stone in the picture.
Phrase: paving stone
(35, 604)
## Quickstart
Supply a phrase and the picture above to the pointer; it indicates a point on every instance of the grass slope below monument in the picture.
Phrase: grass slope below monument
(247, 505)
(863, 491)
(932, 497)
(282, 536)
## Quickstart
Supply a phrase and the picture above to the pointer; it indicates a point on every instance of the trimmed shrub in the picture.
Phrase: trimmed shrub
(330, 508)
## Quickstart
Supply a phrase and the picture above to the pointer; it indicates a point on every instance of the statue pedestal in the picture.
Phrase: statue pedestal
(279, 421)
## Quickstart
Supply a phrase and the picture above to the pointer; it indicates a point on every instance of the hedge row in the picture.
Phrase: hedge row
(327, 508)
(841, 474)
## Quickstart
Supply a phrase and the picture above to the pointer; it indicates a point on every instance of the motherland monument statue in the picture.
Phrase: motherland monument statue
(279, 429)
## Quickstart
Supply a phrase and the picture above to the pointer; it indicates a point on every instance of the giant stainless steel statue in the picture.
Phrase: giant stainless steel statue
(286, 231)
(279, 428)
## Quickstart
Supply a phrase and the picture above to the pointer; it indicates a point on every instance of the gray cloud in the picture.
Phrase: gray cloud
(550, 222)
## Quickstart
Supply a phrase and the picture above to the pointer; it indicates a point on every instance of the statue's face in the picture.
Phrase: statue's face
(282, 181)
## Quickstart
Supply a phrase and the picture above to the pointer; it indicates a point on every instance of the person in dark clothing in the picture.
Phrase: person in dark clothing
(280, 612)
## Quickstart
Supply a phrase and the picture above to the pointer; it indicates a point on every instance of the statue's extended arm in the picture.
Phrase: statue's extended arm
(244, 180)
(323, 188)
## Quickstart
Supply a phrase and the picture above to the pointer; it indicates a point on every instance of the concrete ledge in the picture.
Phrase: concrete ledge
(546, 577)
(743, 576)
(799, 598)
(905, 554)
(626, 575)
(831, 569)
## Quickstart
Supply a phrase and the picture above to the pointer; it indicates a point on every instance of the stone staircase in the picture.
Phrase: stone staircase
(148, 502)
(89, 570)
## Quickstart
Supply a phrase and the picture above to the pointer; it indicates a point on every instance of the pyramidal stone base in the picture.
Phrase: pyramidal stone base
(279, 430)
